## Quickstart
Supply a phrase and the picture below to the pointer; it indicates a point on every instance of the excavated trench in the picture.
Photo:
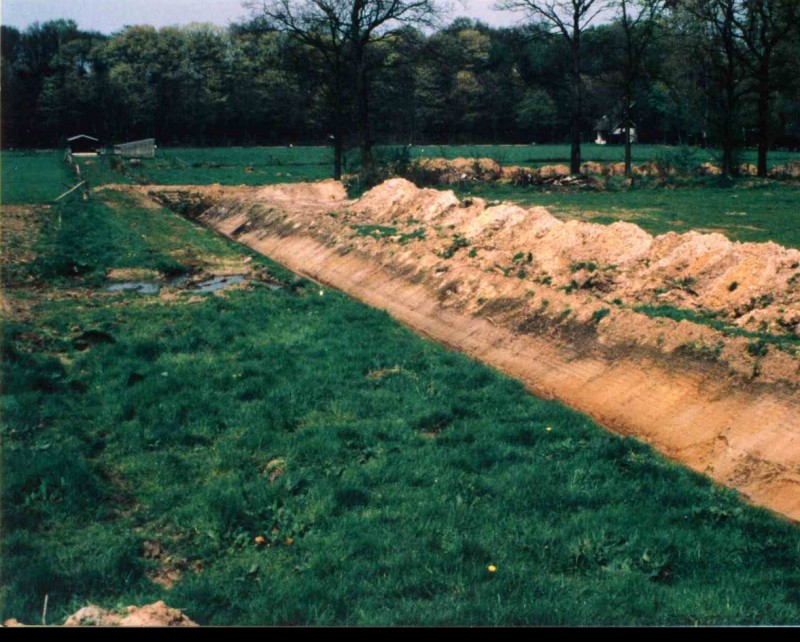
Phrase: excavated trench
(574, 310)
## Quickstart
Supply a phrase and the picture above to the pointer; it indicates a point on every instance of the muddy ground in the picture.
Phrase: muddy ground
(559, 306)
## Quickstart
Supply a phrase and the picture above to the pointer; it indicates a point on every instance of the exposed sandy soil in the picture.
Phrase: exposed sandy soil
(550, 302)
(157, 614)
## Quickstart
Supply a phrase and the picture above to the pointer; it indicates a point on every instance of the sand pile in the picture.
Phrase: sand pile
(755, 285)
(399, 198)
(441, 170)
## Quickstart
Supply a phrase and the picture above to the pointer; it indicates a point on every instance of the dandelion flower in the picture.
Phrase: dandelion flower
(260, 540)
(492, 568)
(549, 428)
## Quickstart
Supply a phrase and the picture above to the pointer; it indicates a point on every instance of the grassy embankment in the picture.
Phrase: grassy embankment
(384, 473)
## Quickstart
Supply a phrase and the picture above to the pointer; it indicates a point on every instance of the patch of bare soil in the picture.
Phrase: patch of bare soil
(152, 615)
(156, 614)
(552, 303)
(19, 231)
(20, 227)
(465, 170)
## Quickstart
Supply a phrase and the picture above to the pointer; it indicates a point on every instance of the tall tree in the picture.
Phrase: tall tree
(570, 19)
(715, 24)
(342, 32)
(763, 25)
(637, 21)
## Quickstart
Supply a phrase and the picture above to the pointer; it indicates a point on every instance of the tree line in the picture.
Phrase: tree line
(357, 72)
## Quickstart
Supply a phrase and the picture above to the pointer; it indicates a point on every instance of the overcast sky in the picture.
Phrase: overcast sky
(111, 15)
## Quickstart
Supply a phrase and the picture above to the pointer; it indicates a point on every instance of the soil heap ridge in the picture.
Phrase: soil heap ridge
(753, 285)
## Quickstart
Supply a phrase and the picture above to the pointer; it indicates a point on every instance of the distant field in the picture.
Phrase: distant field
(236, 165)
(33, 177)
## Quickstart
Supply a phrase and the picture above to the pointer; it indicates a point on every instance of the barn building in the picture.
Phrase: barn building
(83, 145)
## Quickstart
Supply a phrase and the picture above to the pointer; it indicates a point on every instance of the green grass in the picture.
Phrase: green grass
(749, 210)
(408, 469)
(33, 177)
(235, 165)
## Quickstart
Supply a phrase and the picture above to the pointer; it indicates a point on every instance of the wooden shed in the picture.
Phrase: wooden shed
(83, 145)
(137, 149)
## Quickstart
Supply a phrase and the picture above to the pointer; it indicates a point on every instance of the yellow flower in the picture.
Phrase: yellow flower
(549, 428)
(492, 568)
(260, 540)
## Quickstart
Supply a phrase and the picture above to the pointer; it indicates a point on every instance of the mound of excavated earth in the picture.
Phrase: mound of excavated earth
(575, 310)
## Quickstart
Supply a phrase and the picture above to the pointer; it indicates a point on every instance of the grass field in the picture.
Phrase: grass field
(33, 177)
(302, 459)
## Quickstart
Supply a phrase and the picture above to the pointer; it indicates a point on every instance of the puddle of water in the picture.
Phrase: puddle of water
(144, 287)
(217, 283)
(209, 285)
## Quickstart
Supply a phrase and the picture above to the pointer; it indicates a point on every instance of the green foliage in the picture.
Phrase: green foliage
(418, 234)
(681, 159)
(591, 266)
(458, 242)
(758, 348)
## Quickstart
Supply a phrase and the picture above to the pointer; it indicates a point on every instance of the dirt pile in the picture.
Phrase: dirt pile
(156, 614)
(447, 172)
(440, 171)
(686, 340)
(755, 286)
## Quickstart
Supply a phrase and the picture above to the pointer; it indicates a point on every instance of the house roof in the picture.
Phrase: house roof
(97, 140)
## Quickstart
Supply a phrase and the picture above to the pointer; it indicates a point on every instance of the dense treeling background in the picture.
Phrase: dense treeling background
(247, 84)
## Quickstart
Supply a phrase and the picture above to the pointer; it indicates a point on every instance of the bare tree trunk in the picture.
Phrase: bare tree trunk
(575, 152)
(628, 169)
(763, 115)
(627, 128)
(363, 116)
(338, 152)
